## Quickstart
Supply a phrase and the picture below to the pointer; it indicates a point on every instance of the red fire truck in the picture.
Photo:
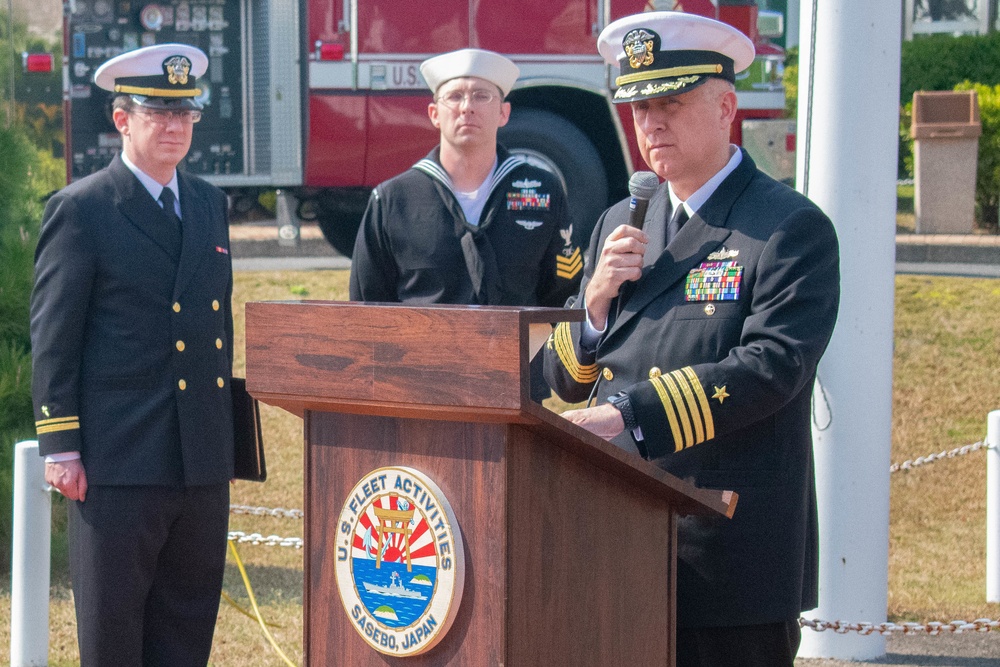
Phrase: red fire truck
(323, 99)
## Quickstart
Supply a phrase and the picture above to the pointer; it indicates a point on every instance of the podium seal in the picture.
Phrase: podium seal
(400, 562)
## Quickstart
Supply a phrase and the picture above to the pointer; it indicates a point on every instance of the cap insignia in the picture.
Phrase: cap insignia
(176, 69)
(640, 47)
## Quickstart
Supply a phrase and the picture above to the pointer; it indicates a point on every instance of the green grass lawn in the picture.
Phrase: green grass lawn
(947, 355)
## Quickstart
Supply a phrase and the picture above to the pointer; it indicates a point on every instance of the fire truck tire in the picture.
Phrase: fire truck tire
(555, 143)
(338, 214)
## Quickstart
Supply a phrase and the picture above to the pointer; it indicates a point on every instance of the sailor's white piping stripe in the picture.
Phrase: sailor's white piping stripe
(436, 171)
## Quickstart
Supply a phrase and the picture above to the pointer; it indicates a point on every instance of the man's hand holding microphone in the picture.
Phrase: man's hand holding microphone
(622, 256)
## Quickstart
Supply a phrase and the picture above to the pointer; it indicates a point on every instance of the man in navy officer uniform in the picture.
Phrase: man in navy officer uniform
(132, 346)
(702, 336)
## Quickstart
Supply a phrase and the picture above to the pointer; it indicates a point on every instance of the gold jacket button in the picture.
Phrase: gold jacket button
(180, 346)
(182, 385)
(177, 307)
(654, 373)
(710, 309)
(220, 382)
(218, 343)
(215, 305)
(608, 375)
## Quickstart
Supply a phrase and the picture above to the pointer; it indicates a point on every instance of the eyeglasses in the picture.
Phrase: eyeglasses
(163, 116)
(476, 98)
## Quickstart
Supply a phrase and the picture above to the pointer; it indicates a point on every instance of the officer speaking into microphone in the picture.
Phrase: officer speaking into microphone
(702, 336)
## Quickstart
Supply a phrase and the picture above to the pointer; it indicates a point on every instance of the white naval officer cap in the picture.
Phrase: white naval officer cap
(668, 53)
(163, 76)
(492, 67)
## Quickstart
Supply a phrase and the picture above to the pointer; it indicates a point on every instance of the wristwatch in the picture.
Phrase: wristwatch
(624, 405)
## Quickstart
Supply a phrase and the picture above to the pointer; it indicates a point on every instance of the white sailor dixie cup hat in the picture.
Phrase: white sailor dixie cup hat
(668, 53)
(163, 76)
(487, 65)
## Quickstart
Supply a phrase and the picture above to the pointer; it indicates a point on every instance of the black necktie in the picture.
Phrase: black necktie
(167, 199)
(677, 221)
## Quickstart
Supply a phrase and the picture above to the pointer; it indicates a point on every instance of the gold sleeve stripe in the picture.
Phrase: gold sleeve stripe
(686, 406)
(668, 407)
(692, 406)
(706, 410)
(56, 420)
(567, 355)
(55, 428)
(682, 413)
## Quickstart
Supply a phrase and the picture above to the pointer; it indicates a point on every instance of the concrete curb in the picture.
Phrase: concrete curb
(261, 240)
(244, 249)
(948, 249)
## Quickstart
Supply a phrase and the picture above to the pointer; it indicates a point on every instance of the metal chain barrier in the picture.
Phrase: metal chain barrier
(950, 454)
(840, 627)
(932, 628)
(269, 541)
(266, 511)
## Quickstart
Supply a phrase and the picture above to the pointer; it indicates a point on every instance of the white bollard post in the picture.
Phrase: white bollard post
(29, 594)
(993, 507)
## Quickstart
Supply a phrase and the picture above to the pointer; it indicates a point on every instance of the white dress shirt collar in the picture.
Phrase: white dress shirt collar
(701, 195)
(150, 183)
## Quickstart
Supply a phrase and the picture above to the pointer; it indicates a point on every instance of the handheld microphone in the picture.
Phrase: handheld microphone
(641, 186)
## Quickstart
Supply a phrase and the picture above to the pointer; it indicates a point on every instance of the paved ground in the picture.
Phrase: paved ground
(255, 248)
(948, 248)
(290, 263)
(965, 650)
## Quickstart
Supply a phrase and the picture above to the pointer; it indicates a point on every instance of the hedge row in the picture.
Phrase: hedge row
(20, 212)
(988, 168)
(940, 62)
(928, 62)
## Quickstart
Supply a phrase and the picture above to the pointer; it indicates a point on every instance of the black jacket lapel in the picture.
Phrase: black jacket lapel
(655, 225)
(696, 240)
(141, 210)
(703, 233)
(196, 223)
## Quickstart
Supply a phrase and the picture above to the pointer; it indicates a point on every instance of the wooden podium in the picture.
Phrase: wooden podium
(569, 542)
